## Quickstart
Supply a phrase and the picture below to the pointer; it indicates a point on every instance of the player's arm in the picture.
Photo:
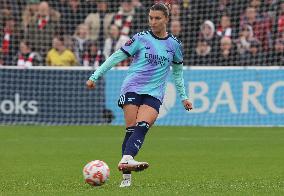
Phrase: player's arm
(114, 59)
(178, 76)
(129, 49)
(179, 82)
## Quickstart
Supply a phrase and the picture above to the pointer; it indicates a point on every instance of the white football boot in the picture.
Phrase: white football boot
(126, 182)
(127, 163)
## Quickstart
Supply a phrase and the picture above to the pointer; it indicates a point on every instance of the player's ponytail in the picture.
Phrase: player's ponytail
(164, 7)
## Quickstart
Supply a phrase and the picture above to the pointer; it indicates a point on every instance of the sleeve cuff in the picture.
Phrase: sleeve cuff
(184, 98)
(178, 62)
(127, 53)
(93, 79)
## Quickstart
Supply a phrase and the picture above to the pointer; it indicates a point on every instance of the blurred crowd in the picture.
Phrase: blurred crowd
(86, 32)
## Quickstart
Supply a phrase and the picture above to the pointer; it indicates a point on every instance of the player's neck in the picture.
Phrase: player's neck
(162, 34)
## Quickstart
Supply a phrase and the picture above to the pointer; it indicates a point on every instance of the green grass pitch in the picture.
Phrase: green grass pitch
(42, 160)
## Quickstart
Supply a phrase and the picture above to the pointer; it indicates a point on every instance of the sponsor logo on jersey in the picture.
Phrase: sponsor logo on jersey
(156, 59)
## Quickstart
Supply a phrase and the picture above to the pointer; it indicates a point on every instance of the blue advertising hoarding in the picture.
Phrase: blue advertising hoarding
(221, 97)
(50, 96)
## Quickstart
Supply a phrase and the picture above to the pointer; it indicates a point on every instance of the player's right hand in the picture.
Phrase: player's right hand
(90, 84)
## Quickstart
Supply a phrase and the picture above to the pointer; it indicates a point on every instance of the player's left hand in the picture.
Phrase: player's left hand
(187, 104)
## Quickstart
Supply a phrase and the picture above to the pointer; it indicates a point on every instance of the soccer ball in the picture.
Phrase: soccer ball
(96, 173)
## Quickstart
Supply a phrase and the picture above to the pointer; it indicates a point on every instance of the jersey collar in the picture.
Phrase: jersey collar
(156, 37)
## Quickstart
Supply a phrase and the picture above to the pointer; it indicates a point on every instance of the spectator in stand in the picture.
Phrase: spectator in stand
(278, 57)
(141, 22)
(224, 27)
(58, 5)
(180, 20)
(92, 56)
(270, 7)
(73, 15)
(137, 4)
(69, 42)
(175, 12)
(176, 29)
(127, 17)
(223, 7)
(207, 32)
(267, 19)
(226, 55)
(124, 17)
(9, 40)
(26, 57)
(280, 17)
(263, 8)
(5, 9)
(90, 6)
(59, 55)
(29, 13)
(12, 7)
(181, 11)
(261, 26)
(115, 41)
(202, 10)
(256, 4)
(245, 38)
(44, 26)
(202, 55)
(253, 56)
(99, 23)
(199, 14)
(230, 8)
(180, 14)
(80, 38)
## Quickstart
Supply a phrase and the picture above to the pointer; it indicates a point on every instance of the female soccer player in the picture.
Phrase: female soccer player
(143, 89)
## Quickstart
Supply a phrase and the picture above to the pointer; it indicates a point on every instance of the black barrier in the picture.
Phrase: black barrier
(45, 96)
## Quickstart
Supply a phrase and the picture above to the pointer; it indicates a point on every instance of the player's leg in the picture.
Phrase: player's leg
(130, 103)
(147, 115)
(130, 114)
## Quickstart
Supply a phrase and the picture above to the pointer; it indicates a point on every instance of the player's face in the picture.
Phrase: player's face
(157, 21)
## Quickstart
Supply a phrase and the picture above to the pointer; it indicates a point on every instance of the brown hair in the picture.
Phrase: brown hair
(164, 7)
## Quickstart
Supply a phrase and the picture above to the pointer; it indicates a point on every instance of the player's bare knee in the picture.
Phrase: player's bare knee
(130, 124)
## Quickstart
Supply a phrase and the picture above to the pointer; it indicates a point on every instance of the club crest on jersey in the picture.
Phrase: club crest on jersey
(129, 42)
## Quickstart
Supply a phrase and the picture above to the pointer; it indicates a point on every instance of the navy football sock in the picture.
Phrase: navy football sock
(136, 140)
(128, 133)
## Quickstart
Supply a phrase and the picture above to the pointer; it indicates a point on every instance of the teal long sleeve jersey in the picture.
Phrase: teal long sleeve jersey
(150, 67)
